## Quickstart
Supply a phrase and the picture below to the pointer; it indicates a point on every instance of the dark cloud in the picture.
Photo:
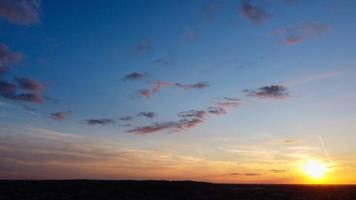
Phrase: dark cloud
(146, 114)
(127, 118)
(277, 170)
(252, 174)
(103, 121)
(135, 76)
(60, 115)
(216, 110)
(245, 174)
(21, 12)
(156, 127)
(28, 97)
(189, 123)
(7, 56)
(186, 120)
(300, 32)
(253, 13)
(235, 174)
(193, 114)
(8, 90)
(30, 84)
(272, 91)
(144, 46)
(156, 86)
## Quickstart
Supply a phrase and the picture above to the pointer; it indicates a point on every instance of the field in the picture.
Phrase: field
(121, 190)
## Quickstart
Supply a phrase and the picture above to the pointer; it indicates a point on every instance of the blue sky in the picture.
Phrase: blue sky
(191, 79)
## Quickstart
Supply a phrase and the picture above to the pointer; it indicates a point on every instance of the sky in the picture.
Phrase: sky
(220, 91)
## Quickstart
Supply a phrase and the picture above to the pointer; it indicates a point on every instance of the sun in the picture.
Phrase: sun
(314, 169)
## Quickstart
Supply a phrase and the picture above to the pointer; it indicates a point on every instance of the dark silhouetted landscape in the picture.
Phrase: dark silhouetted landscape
(101, 190)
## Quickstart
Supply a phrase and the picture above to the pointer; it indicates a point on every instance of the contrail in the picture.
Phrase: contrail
(325, 150)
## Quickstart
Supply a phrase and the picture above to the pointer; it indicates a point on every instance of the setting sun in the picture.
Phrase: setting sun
(314, 169)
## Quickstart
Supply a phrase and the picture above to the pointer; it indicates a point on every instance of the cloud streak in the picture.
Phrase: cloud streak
(22, 12)
(8, 91)
(60, 115)
(30, 84)
(253, 13)
(186, 119)
(7, 56)
(157, 86)
(103, 121)
(134, 76)
(271, 92)
(297, 34)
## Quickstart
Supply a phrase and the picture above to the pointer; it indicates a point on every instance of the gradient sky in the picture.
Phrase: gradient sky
(222, 91)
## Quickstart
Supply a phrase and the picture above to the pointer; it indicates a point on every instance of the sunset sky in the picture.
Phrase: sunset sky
(220, 91)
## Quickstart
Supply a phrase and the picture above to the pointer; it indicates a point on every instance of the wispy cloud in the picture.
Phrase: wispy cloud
(154, 128)
(146, 114)
(301, 32)
(30, 84)
(60, 115)
(21, 12)
(8, 90)
(7, 56)
(278, 170)
(186, 119)
(103, 121)
(253, 13)
(144, 46)
(127, 118)
(135, 76)
(272, 92)
(157, 86)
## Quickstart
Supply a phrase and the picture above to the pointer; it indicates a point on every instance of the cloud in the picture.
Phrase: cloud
(156, 86)
(216, 110)
(252, 174)
(229, 102)
(272, 91)
(127, 118)
(253, 13)
(245, 174)
(103, 121)
(277, 170)
(135, 76)
(187, 119)
(193, 113)
(60, 115)
(23, 12)
(7, 56)
(28, 97)
(295, 35)
(30, 84)
(143, 130)
(144, 46)
(146, 114)
(8, 90)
